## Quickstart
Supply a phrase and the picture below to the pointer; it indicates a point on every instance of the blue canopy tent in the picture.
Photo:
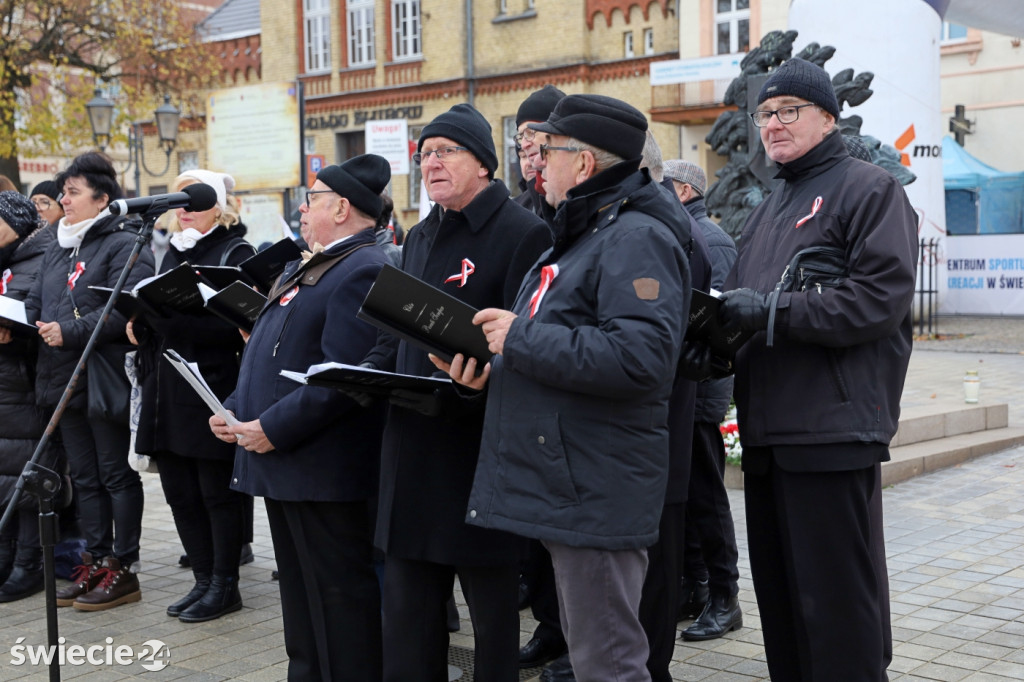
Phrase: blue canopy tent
(979, 198)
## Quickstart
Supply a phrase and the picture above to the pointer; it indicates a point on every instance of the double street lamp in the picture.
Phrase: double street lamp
(101, 115)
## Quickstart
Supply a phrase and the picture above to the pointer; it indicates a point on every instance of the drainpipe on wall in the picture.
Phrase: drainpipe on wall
(471, 91)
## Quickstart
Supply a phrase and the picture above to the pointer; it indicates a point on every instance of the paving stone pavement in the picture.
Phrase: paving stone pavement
(955, 545)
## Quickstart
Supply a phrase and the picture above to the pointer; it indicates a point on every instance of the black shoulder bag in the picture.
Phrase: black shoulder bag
(816, 267)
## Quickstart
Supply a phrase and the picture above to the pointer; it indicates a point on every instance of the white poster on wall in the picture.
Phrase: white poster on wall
(390, 139)
(982, 275)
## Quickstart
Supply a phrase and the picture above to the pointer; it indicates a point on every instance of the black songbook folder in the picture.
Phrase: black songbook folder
(261, 269)
(175, 290)
(364, 379)
(703, 325)
(424, 316)
(238, 304)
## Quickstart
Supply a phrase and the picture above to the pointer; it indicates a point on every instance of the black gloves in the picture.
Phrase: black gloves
(744, 309)
(362, 399)
(428, 404)
(697, 363)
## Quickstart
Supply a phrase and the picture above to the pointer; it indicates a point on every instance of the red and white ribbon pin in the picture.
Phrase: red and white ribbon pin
(814, 209)
(287, 298)
(467, 269)
(547, 276)
(73, 277)
(5, 280)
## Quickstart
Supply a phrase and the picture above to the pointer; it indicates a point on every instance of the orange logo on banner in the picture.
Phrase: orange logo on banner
(902, 141)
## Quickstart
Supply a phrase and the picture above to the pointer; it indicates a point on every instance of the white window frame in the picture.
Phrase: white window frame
(946, 40)
(733, 17)
(361, 44)
(648, 41)
(627, 45)
(406, 28)
(317, 23)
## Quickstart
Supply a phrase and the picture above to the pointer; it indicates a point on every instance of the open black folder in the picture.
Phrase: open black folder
(424, 316)
(261, 269)
(363, 379)
(703, 325)
(237, 303)
(174, 290)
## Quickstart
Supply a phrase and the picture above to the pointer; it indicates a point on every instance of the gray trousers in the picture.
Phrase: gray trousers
(599, 601)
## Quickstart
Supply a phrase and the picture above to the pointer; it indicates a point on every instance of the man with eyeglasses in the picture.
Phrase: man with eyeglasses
(576, 437)
(535, 109)
(312, 452)
(476, 244)
(819, 402)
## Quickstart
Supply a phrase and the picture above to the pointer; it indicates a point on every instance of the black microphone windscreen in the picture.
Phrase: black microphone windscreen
(203, 196)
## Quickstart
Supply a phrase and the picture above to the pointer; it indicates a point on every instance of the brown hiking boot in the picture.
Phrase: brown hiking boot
(117, 586)
(84, 578)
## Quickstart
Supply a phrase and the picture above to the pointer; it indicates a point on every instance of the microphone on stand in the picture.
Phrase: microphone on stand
(196, 197)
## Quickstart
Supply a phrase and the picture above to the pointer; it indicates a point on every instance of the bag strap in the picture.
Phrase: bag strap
(231, 249)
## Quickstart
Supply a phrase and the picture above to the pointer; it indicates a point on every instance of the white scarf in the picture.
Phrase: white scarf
(70, 236)
(189, 237)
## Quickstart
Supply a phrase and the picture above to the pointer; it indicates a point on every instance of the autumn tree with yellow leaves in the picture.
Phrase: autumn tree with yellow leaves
(53, 53)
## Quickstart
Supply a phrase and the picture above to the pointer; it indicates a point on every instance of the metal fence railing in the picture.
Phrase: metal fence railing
(927, 286)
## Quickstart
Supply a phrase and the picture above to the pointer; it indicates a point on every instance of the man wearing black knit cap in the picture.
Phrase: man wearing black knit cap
(312, 452)
(476, 244)
(535, 109)
(576, 436)
(818, 385)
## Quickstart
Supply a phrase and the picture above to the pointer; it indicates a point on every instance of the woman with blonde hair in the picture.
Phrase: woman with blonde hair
(195, 467)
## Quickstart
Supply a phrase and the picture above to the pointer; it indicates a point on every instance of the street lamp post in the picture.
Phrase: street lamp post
(101, 114)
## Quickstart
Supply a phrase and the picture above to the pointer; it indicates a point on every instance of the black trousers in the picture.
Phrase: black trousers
(660, 597)
(817, 555)
(330, 600)
(540, 576)
(209, 516)
(108, 491)
(711, 552)
(415, 632)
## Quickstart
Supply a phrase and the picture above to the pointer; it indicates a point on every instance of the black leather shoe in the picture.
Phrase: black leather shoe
(559, 671)
(247, 555)
(539, 651)
(721, 615)
(222, 598)
(184, 561)
(22, 582)
(524, 594)
(194, 595)
(693, 596)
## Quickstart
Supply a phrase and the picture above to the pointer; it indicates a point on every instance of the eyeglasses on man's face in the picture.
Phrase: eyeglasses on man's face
(545, 148)
(310, 193)
(442, 154)
(786, 115)
(528, 134)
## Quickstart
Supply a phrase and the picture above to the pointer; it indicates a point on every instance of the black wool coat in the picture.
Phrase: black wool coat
(427, 463)
(21, 421)
(174, 418)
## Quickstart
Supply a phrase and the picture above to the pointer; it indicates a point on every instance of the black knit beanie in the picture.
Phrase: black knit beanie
(605, 122)
(800, 78)
(539, 105)
(18, 212)
(48, 188)
(466, 126)
(361, 179)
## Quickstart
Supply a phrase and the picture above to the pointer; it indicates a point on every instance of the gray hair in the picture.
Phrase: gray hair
(603, 160)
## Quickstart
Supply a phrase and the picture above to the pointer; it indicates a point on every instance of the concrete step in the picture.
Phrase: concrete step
(946, 419)
(925, 456)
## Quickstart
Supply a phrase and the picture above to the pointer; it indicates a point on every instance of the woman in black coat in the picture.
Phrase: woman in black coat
(91, 249)
(24, 237)
(195, 467)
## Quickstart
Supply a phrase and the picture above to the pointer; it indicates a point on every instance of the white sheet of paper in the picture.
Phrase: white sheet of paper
(190, 371)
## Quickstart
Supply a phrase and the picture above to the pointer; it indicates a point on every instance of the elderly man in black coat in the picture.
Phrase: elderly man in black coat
(311, 452)
(476, 245)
